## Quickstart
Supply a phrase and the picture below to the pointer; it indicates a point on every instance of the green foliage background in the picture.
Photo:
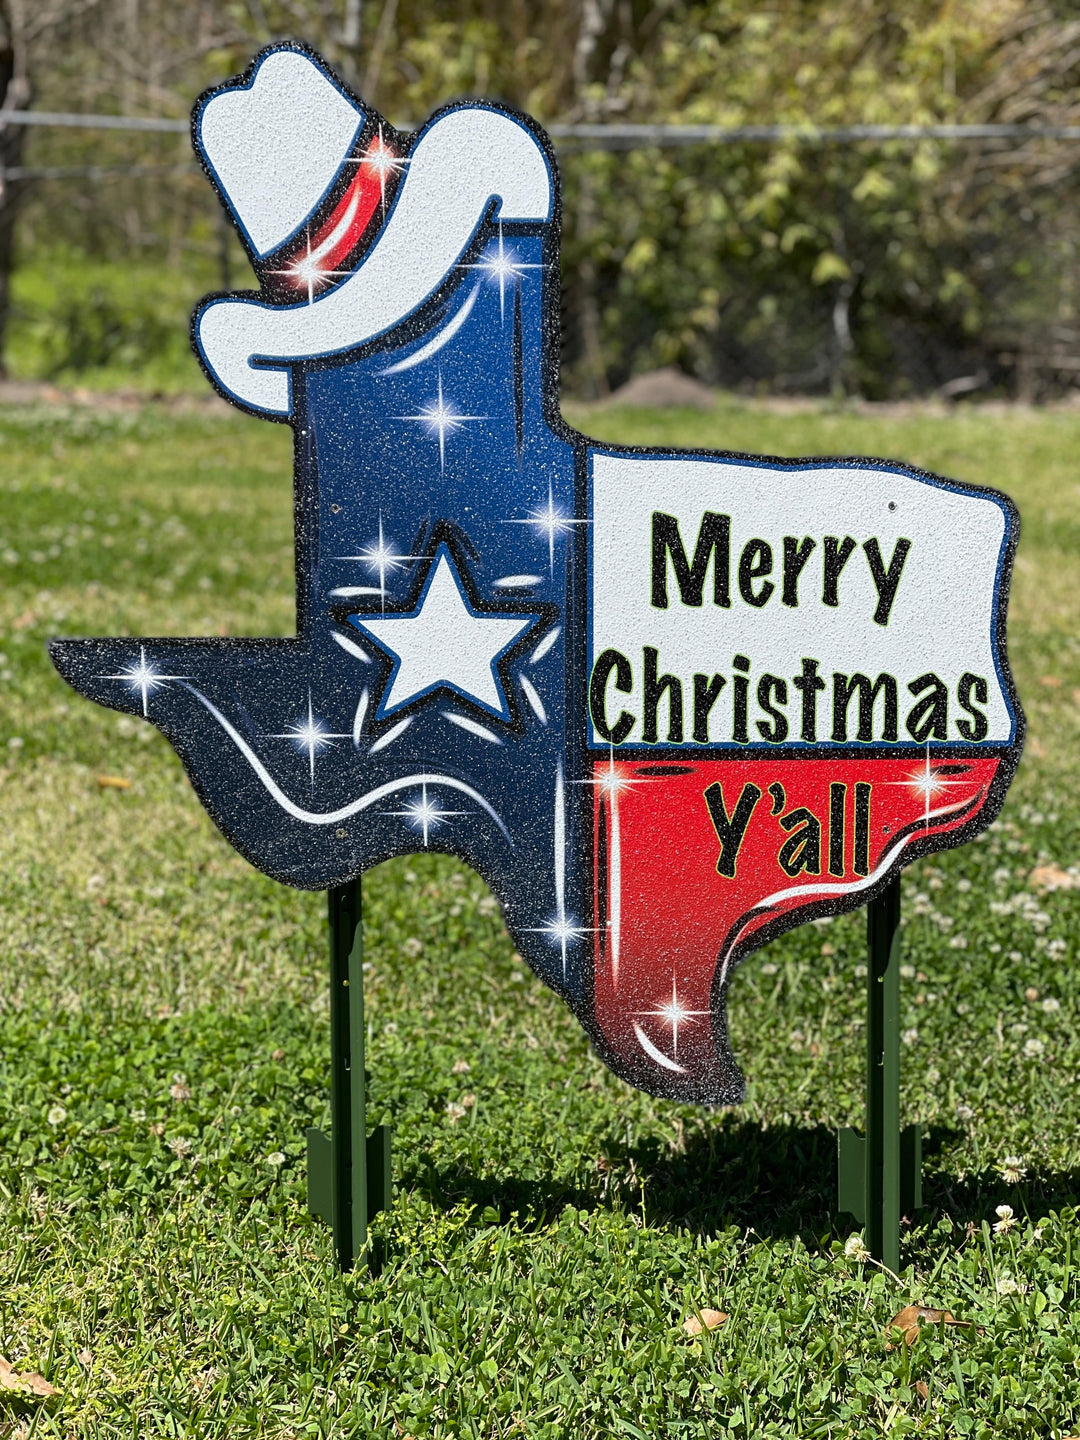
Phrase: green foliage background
(880, 269)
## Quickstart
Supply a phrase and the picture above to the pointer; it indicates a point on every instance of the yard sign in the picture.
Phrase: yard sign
(667, 703)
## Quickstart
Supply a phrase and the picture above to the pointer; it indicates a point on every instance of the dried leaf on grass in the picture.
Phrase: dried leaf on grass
(922, 1389)
(28, 1382)
(912, 1316)
(1052, 877)
(113, 782)
(704, 1320)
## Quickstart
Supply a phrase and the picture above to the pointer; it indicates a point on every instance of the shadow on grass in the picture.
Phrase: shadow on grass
(778, 1180)
(973, 1197)
(781, 1180)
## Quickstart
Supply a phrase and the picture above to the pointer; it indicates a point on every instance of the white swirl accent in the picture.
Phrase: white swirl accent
(545, 645)
(472, 726)
(614, 887)
(391, 735)
(438, 340)
(365, 802)
(533, 698)
(560, 842)
(851, 887)
(656, 1054)
(351, 647)
(358, 718)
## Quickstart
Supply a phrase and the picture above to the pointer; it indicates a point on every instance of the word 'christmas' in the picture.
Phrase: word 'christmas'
(859, 708)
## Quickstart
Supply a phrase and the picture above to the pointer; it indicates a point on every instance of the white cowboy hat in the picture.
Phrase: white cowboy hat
(275, 145)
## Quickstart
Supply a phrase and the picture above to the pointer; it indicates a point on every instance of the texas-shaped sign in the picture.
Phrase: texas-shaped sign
(668, 704)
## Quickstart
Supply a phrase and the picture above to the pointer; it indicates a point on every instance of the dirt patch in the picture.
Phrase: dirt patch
(666, 389)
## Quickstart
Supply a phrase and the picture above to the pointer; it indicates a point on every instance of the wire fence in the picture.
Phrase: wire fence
(573, 137)
(1062, 348)
(94, 172)
(626, 136)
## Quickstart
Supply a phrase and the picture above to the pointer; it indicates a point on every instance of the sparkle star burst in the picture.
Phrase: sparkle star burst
(550, 521)
(561, 931)
(674, 1013)
(311, 737)
(424, 813)
(381, 558)
(925, 782)
(379, 160)
(928, 783)
(500, 264)
(143, 677)
(613, 780)
(309, 272)
(441, 417)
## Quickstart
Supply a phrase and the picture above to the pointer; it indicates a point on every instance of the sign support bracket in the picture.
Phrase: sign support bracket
(349, 1171)
(879, 1173)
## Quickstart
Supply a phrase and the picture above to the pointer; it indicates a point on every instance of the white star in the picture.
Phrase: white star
(310, 736)
(550, 522)
(441, 417)
(143, 676)
(444, 643)
(424, 814)
(674, 1013)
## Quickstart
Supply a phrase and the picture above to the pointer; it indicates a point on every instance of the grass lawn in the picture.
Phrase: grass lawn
(164, 1044)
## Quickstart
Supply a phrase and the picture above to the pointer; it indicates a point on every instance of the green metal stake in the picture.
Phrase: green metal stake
(879, 1174)
(882, 1235)
(349, 1173)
